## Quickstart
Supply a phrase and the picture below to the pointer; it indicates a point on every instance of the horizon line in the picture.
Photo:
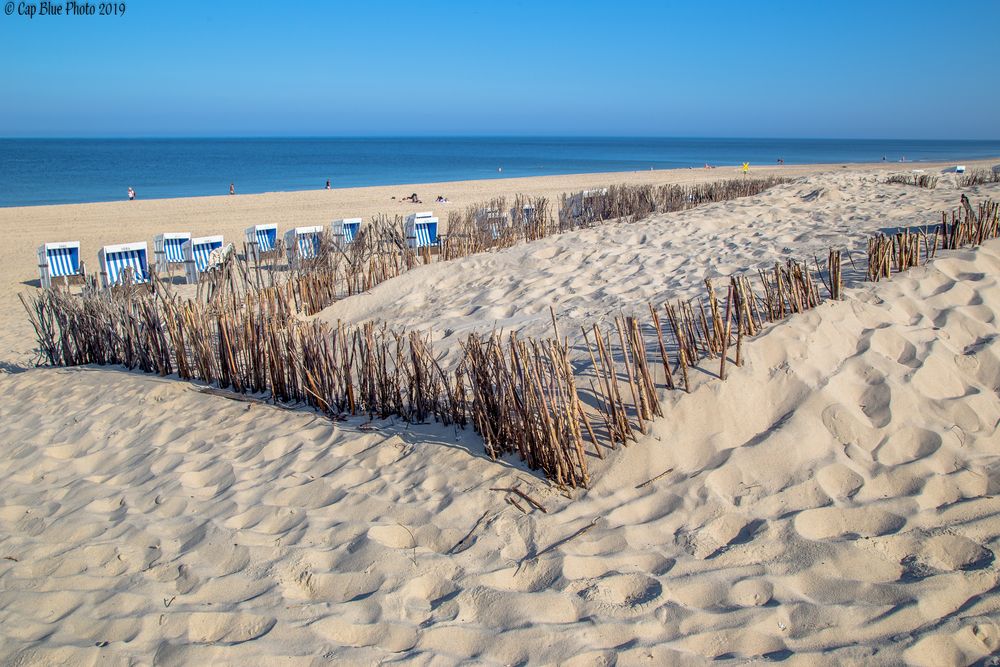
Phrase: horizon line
(469, 136)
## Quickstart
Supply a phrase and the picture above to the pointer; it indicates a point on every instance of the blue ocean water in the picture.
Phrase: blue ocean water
(60, 171)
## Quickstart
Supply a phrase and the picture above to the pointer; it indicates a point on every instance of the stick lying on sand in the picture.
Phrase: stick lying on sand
(564, 540)
(650, 481)
(534, 503)
(468, 534)
(232, 396)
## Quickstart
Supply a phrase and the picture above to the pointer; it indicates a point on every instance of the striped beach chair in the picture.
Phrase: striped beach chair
(344, 231)
(526, 214)
(582, 206)
(303, 243)
(261, 240)
(492, 221)
(421, 230)
(58, 260)
(114, 259)
(196, 254)
(168, 250)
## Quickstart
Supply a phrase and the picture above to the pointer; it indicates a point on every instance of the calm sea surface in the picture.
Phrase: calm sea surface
(60, 171)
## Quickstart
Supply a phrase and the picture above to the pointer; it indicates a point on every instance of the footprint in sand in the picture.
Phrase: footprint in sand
(628, 593)
(838, 481)
(875, 401)
(828, 523)
(546, 253)
(751, 593)
(393, 536)
(227, 628)
(908, 444)
(954, 552)
(848, 430)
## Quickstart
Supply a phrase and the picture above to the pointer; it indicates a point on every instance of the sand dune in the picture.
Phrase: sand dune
(834, 501)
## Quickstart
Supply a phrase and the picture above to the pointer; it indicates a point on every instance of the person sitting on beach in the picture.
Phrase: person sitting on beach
(441, 200)
(131, 193)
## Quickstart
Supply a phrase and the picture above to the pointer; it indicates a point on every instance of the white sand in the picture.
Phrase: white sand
(834, 501)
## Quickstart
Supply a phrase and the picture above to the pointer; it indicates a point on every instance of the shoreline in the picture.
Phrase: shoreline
(788, 169)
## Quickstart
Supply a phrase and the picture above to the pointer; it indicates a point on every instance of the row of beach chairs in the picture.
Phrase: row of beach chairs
(195, 254)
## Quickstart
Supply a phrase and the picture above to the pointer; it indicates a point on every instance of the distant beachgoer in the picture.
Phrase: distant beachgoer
(746, 168)
(328, 184)
(131, 193)
(883, 158)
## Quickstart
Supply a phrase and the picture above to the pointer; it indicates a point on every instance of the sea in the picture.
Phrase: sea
(65, 171)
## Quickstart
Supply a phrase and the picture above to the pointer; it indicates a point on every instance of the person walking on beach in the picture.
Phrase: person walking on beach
(131, 193)
(232, 188)
(328, 184)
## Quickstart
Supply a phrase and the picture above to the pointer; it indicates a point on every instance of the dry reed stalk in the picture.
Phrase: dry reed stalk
(726, 333)
(665, 360)
(682, 344)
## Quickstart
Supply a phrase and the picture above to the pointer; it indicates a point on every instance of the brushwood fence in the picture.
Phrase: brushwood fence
(523, 395)
(380, 250)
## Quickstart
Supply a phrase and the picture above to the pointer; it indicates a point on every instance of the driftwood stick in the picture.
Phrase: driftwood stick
(564, 540)
(650, 481)
(534, 503)
(468, 534)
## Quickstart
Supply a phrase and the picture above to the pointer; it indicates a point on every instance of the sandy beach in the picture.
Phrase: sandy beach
(834, 501)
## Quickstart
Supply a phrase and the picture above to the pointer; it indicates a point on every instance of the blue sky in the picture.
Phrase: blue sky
(873, 69)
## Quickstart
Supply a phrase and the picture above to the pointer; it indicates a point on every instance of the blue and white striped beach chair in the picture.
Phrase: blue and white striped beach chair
(114, 259)
(581, 205)
(527, 214)
(421, 230)
(261, 240)
(344, 231)
(492, 221)
(58, 260)
(168, 250)
(303, 243)
(196, 253)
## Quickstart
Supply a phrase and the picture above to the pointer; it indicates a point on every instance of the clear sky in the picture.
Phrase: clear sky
(872, 69)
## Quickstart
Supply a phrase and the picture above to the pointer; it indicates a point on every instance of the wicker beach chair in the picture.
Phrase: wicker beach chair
(303, 243)
(59, 260)
(421, 230)
(115, 259)
(261, 240)
(196, 255)
(168, 250)
(344, 231)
